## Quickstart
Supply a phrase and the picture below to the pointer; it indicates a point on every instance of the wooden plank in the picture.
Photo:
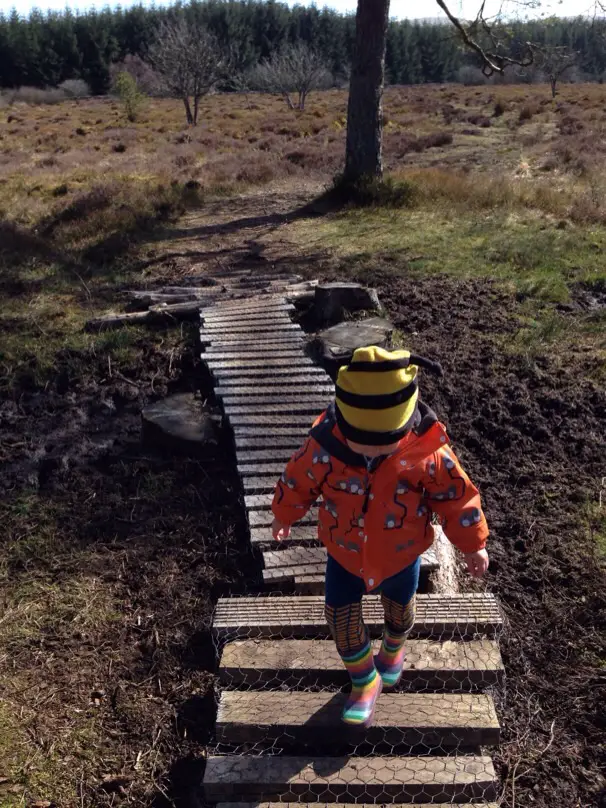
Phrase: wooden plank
(278, 442)
(438, 721)
(299, 534)
(254, 469)
(310, 584)
(300, 616)
(257, 353)
(265, 518)
(220, 313)
(232, 395)
(244, 304)
(425, 778)
(303, 404)
(291, 344)
(298, 380)
(346, 805)
(448, 665)
(263, 484)
(269, 363)
(288, 563)
(295, 419)
(218, 316)
(251, 330)
(219, 342)
(226, 309)
(298, 374)
(297, 432)
(255, 455)
(248, 314)
(227, 324)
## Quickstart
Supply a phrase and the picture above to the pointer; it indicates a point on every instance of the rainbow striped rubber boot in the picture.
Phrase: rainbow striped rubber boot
(390, 659)
(366, 687)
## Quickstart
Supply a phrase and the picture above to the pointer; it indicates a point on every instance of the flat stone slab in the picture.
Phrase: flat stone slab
(179, 423)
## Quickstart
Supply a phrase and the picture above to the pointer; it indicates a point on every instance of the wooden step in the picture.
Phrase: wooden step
(235, 342)
(299, 534)
(282, 566)
(254, 319)
(298, 381)
(263, 394)
(225, 307)
(299, 374)
(300, 432)
(254, 469)
(219, 313)
(437, 721)
(262, 328)
(244, 363)
(438, 616)
(313, 584)
(265, 518)
(376, 779)
(347, 805)
(449, 665)
(228, 319)
(262, 484)
(271, 452)
(278, 442)
(258, 353)
(303, 404)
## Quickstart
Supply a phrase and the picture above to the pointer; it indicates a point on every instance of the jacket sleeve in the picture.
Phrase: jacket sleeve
(455, 499)
(299, 486)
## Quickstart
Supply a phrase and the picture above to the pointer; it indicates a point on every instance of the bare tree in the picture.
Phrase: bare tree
(189, 62)
(295, 69)
(555, 61)
(364, 121)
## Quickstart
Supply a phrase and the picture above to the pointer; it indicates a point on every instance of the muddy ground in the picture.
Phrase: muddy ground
(167, 535)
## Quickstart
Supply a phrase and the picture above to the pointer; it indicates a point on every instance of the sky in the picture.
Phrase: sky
(400, 9)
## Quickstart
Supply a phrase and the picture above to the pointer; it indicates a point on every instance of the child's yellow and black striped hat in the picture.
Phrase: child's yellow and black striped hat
(377, 393)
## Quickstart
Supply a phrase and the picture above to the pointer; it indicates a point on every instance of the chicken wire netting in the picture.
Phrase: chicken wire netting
(279, 735)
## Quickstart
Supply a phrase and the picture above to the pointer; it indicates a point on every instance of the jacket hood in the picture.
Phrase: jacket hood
(429, 436)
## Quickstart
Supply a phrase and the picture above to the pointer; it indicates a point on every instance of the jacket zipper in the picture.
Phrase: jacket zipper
(367, 498)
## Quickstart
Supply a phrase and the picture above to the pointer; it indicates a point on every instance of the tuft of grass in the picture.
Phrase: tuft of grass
(373, 192)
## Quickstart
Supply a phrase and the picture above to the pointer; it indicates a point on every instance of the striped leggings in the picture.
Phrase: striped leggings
(344, 593)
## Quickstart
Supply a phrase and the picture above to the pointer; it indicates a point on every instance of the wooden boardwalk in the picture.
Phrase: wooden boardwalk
(279, 734)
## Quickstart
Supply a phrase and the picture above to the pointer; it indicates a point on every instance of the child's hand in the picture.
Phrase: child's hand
(477, 563)
(279, 530)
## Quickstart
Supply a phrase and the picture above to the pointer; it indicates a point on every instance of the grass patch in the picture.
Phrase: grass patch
(539, 259)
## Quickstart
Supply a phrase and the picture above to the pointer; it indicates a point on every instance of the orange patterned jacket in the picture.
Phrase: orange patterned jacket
(375, 520)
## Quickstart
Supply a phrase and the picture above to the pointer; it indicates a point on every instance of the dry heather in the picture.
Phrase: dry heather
(51, 155)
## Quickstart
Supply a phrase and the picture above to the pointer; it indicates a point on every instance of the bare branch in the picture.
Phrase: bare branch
(493, 59)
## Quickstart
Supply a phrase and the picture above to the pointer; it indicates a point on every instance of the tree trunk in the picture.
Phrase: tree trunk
(554, 83)
(190, 117)
(365, 109)
(196, 109)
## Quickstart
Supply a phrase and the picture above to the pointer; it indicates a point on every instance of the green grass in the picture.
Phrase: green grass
(538, 258)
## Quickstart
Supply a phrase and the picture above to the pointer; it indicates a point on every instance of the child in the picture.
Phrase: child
(381, 462)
